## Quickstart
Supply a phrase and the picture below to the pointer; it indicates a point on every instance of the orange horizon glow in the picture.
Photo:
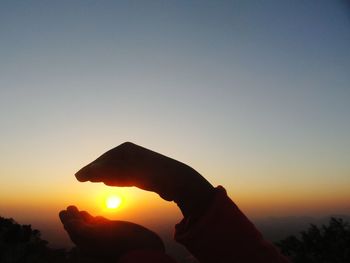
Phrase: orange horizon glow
(131, 203)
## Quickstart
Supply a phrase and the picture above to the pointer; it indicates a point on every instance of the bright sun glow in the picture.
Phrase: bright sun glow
(113, 202)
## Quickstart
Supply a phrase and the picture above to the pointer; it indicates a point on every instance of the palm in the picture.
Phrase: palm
(103, 238)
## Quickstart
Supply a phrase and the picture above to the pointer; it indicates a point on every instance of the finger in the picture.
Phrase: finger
(86, 216)
(63, 216)
(76, 230)
(73, 212)
(74, 226)
(92, 172)
(83, 174)
(71, 225)
(95, 169)
(99, 219)
(117, 173)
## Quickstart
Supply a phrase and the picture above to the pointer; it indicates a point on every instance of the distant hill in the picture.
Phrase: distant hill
(277, 228)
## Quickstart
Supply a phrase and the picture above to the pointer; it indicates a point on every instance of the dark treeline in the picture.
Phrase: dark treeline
(325, 244)
(22, 244)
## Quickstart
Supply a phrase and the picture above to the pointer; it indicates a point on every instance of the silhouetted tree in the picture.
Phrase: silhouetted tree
(22, 244)
(327, 244)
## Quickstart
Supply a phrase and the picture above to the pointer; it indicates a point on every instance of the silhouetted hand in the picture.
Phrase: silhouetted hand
(132, 165)
(105, 240)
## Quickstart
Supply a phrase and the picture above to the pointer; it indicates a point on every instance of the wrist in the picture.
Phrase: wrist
(194, 196)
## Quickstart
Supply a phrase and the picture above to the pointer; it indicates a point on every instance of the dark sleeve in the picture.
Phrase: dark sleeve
(224, 234)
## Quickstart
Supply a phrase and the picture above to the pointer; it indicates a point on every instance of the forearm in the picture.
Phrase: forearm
(224, 234)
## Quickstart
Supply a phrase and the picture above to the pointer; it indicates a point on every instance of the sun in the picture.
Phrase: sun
(113, 202)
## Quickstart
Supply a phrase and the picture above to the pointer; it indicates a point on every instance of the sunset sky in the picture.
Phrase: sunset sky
(255, 95)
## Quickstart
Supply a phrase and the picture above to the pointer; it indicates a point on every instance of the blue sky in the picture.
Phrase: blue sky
(253, 94)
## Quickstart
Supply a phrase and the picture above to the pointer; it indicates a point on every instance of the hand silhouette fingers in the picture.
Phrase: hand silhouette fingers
(102, 238)
(92, 172)
(75, 223)
(73, 212)
(100, 219)
(63, 216)
(86, 216)
(121, 153)
(70, 214)
(114, 172)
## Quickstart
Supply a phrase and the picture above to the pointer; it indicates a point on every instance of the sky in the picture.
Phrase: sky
(252, 94)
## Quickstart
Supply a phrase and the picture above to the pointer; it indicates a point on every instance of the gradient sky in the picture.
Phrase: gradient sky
(255, 95)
